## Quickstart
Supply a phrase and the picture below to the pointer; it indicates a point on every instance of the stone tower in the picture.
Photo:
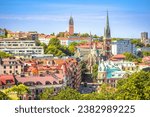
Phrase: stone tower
(71, 26)
(107, 39)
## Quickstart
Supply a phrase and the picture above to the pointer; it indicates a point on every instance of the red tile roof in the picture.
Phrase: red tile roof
(43, 79)
(87, 45)
(4, 78)
(147, 58)
(119, 56)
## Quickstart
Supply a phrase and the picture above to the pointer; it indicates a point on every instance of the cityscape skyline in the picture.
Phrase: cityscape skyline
(90, 16)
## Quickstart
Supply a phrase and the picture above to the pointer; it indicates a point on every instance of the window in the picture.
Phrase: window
(4, 67)
(8, 81)
(10, 72)
(10, 67)
(16, 66)
(4, 72)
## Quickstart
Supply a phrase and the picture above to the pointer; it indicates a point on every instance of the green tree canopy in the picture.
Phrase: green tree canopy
(137, 42)
(135, 87)
(146, 53)
(4, 96)
(4, 55)
(129, 56)
(68, 94)
(19, 90)
(47, 94)
(54, 42)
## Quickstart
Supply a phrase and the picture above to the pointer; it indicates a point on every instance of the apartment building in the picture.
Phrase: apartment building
(11, 66)
(121, 46)
(20, 47)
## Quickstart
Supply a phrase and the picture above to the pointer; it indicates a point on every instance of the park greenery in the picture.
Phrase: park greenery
(54, 47)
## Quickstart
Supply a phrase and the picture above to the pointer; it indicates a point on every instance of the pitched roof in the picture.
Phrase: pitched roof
(43, 79)
(4, 78)
(119, 56)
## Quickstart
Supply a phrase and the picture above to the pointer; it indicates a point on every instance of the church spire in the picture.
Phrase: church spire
(107, 33)
(71, 26)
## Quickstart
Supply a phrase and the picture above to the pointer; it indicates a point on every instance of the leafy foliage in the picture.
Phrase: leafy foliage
(18, 90)
(129, 56)
(4, 55)
(48, 93)
(136, 87)
(3, 96)
(137, 42)
(68, 94)
(146, 53)
(54, 47)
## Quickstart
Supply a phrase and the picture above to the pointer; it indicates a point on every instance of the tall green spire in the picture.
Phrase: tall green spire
(107, 33)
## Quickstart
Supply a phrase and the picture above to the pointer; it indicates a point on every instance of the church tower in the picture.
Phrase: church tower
(107, 39)
(71, 26)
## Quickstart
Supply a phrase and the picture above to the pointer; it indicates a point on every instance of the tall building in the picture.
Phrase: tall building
(107, 39)
(71, 26)
(144, 38)
(121, 46)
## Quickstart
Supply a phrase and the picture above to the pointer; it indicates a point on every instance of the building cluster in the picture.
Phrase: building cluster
(40, 74)
(31, 67)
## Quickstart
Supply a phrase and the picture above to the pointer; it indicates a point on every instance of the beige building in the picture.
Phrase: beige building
(11, 66)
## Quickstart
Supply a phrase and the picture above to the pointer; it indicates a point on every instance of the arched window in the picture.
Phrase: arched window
(38, 83)
(48, 83)
(54, 82)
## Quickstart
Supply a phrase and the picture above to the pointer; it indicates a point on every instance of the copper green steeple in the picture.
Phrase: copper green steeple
(107, 33)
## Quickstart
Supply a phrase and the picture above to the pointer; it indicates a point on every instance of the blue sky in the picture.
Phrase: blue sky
(128, 18)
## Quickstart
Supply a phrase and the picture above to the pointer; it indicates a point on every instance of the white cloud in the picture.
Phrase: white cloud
(62, 17)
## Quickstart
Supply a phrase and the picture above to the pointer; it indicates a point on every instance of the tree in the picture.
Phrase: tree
(47, 94)
(44, 46)
(6, 33)
(146, 53)
(137, 42)
(54, 50)
(72, 46)
(54, 42)
(68, 94)
(95, 72)
(37, 42)
(129, 56)
(4, 96)
(85, 35)
(20, 90)
(135, 87)
(4, 55)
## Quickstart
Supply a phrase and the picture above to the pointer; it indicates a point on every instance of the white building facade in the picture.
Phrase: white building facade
(121, 46)
(20, 47)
